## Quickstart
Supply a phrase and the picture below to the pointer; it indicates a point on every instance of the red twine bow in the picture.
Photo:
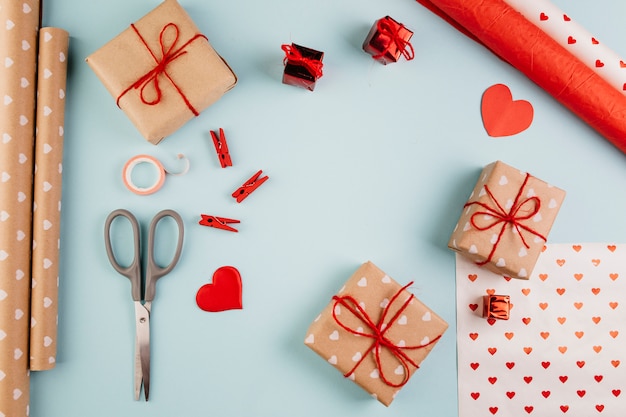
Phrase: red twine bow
(168, 54)
(378, 330)
(313, 66)
(391, 30)
(510, 217)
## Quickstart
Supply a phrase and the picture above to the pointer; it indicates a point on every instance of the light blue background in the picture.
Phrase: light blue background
(375, 164)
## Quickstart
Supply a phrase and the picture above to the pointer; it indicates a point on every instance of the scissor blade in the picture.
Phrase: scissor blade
(138, 374)
(142, 350)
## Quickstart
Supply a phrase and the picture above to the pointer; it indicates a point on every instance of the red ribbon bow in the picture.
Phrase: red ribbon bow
(313, 66)
(511, 217)
(168, 54)
(379, 339)
(391, 30)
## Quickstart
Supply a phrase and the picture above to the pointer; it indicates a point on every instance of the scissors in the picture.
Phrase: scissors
(142, 292)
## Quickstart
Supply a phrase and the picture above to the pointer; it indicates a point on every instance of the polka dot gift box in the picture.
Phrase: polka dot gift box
(506, 221)
(162, 71)
(375, 332)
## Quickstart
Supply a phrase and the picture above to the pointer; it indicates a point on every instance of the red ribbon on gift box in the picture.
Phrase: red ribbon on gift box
(391, 30)
(293, 55)
(504, 217)
(168, 54)
(378, 330)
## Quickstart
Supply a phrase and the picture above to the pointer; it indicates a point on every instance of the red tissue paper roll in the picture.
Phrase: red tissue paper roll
(519, 42)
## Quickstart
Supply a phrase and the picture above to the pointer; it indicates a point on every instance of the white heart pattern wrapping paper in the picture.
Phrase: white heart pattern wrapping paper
(561, 353)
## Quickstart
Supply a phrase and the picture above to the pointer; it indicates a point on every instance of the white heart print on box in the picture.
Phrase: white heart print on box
(372, 303)
(561, 352)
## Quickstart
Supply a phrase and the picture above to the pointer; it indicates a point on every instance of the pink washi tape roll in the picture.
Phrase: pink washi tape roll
(158, 183)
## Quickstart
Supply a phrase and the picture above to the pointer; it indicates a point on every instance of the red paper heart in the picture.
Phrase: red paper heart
(503, 116)
(224, 293)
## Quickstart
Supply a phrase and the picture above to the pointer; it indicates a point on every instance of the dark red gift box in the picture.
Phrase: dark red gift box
(303, 66)
(387, 40)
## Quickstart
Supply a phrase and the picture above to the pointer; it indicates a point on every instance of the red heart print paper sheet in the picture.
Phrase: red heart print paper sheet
(562, 350)
(575, 39)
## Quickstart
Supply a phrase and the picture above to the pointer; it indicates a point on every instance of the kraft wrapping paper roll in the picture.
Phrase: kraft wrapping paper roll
(575, 39)
(19, 24)
(51, 82)
(508, 34)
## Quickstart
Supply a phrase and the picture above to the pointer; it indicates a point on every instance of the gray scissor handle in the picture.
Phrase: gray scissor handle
(133, 271)
(154, 271)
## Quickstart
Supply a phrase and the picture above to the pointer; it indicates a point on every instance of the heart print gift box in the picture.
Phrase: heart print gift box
(506, 221)
(375, 332)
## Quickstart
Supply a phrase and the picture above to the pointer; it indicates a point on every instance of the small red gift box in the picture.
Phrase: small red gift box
(303, 66)
(387, 40)
(496, 306)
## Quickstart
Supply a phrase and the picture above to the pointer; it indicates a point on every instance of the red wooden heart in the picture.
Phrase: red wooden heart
(503, 116)
(224, 293)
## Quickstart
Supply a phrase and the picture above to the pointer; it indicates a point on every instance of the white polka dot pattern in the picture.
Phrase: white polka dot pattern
(19, 20)
(52, 64)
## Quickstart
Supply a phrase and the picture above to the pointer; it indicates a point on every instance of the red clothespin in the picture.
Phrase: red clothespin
(221, 147)
(249, 186)
(217, 222)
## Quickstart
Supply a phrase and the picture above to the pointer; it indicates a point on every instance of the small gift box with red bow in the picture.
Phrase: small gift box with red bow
(388, 40)
(303, 66)
(162, 71)
(375, 332)
(506, 221)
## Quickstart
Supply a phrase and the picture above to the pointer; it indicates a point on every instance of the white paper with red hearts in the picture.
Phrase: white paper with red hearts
(563, 350)
(575, 39)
